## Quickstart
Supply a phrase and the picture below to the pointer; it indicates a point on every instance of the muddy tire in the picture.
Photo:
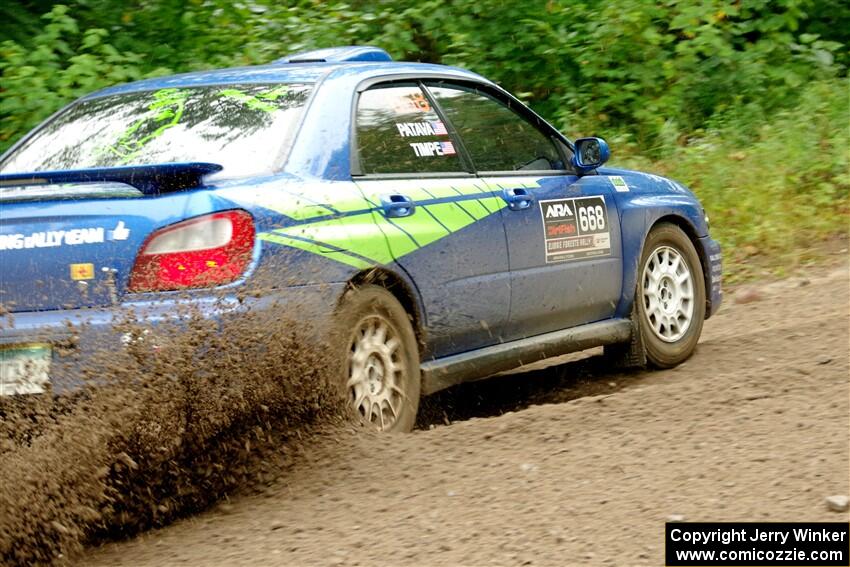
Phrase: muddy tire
(630, 355)
(670, 296)
(379, 359)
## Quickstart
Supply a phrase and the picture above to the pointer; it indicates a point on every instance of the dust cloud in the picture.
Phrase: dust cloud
(169, 422)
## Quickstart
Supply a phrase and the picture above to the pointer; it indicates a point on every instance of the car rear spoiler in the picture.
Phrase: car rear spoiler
(153, 179)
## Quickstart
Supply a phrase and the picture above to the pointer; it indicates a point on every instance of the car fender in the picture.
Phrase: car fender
(643, 201)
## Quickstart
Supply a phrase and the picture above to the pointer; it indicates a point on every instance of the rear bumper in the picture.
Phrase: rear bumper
(713, 258)
(76, 335)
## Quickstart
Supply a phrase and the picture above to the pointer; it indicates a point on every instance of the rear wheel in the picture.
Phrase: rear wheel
(381, 359)
(670, 296)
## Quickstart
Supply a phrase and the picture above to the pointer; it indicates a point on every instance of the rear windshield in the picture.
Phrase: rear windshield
(244, 128)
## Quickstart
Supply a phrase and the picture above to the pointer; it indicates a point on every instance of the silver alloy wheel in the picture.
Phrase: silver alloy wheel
(668, 294)
(376, 372)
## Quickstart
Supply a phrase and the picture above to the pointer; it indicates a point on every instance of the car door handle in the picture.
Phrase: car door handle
(396, 206)
(518, 199)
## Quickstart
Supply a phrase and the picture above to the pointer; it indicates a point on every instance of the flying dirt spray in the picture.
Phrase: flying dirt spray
(185, 412)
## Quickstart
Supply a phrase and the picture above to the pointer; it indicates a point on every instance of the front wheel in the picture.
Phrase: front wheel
(381, 359)
(670, 296)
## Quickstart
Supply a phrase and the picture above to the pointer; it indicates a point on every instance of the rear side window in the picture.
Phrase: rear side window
(399, 132)
(496, 138)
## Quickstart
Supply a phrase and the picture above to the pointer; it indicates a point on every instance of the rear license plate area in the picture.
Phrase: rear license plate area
(24, 369)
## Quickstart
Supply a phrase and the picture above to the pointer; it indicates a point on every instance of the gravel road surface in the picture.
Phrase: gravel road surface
(572, 465)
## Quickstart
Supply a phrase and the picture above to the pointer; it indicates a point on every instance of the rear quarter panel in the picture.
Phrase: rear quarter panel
(313, 232)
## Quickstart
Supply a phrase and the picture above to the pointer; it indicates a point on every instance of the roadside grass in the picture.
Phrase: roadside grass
(774, 188)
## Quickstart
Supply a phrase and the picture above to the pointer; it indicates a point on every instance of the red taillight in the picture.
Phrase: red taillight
(201, 252)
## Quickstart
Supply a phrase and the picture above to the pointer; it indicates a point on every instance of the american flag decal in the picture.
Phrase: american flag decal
(448, 148)
(439, 128)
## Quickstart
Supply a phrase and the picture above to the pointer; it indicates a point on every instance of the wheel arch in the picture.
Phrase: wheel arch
(400, 288)
(691, 232)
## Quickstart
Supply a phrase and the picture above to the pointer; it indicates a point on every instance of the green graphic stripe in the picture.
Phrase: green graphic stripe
(451, 215)
(369, 234)
(480, 208)
(321, 204)
(332, 231)
(452, 190)
(357, 233)
(307, 213)
(316, 248)
(351, 203)
(299, 210)
(477, 208)
(427, 193)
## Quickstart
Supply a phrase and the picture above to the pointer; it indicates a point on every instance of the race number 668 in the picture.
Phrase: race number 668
(591, 217)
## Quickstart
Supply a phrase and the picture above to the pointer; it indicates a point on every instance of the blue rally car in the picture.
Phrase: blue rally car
(445, 231)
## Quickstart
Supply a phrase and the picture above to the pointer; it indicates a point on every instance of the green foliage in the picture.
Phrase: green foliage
(590, 66)
(773, 190)
(626, 64)
(63, 64)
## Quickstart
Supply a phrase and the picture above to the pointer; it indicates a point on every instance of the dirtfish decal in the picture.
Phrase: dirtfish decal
(54, 238)
(165, 112)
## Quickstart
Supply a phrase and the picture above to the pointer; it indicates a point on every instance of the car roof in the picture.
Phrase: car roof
(282, 72)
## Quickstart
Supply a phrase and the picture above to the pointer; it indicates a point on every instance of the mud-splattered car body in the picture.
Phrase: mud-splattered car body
(494, 267)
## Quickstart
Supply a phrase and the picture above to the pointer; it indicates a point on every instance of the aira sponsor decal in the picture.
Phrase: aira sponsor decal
(575, 228)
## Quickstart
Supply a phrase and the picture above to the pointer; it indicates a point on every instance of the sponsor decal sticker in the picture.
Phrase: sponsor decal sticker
(54, 238)
(419, 102)
(619, 183)
(120, 232)
(439, 128)
(51, 238)
(82, 272)
(575, 228)
(431, 149)
(419, 129)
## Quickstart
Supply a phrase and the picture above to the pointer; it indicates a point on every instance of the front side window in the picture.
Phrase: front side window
(244, 128)
(399, 132)
(496, 138)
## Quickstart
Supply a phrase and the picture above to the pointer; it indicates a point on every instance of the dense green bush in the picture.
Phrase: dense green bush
(643, 67)
(639, 65)
(62, 64)
(772, 190)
